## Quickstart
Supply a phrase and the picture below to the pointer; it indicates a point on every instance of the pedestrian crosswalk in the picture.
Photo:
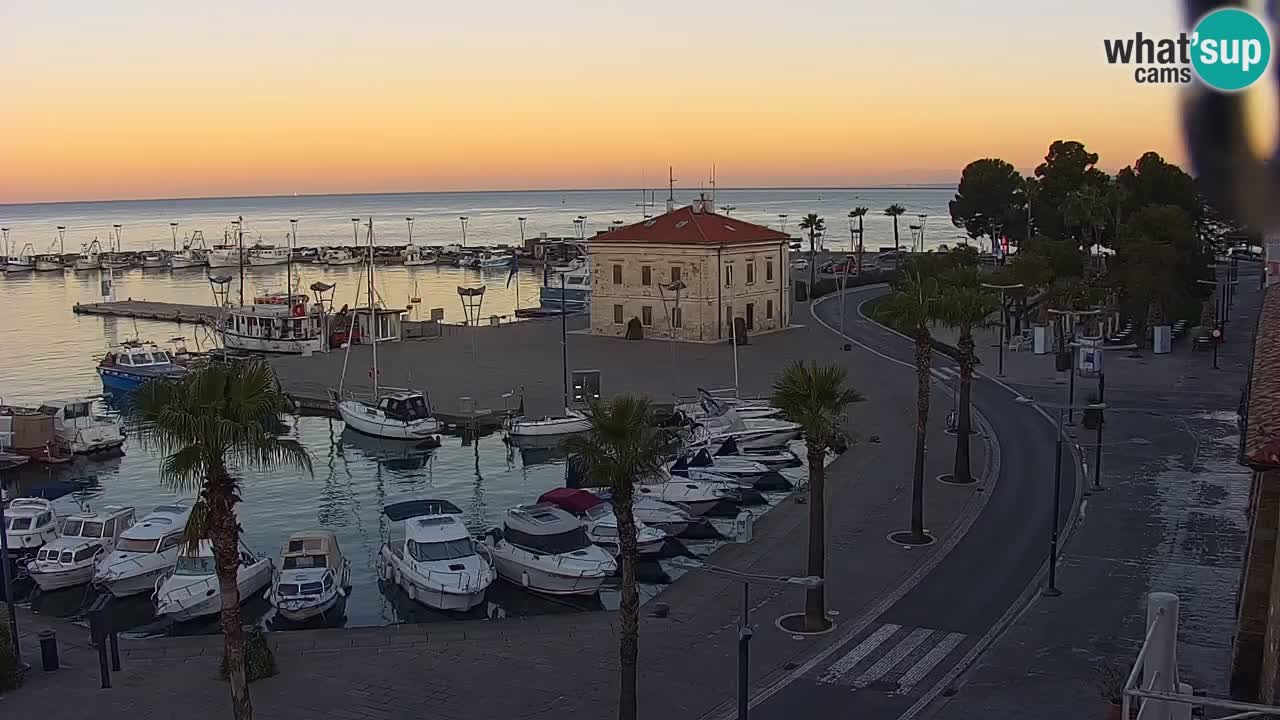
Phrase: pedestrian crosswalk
(892, 658)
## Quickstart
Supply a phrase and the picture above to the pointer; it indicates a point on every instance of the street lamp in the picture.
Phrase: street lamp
(1051, 589)
(463, 219)
(1004, 318)
(522, 220)
(173, 227)
(1070, 345)
(745, 630)
(782, 222)
(674, 287)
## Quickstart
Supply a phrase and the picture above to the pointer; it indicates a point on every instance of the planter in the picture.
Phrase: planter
(1161, 339)
(1115, 711)
(1040, 339)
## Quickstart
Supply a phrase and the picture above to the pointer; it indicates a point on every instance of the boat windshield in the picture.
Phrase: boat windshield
(300, 562)
(565, 542)
(81, 528)
(125, 544)
(20, 523)
(195, 566)
(447, 550)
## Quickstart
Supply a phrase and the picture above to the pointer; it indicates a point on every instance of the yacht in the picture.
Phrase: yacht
(88, 259)
(144, 552)
(398, 415)
(191, 589)
(76, 424)
(224, 255)
(601, 523)
(546, 550)
(567, 288)
(433, 558)
(154, 260)
(84, 537)
(313, 576)
(339, 256)
(260, 255)
(666, 517)
(126, 367)
(274, 323)
(697, 496)
(29, 524)
(748, 433)
(24, 261)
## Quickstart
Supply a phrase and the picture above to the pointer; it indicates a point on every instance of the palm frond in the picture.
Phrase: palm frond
(816, 397)
(622, 446)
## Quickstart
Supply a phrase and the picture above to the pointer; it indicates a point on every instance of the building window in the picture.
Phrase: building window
(646, 315)
(728, 275)
(677, 319)
(646, 275)
(751, 316)
(751, 273)
(675, 273)
(768, 270)
(768, 310)
(617, 274)
(617, 313)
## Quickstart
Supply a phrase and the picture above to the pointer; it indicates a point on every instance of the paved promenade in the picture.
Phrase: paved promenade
(565, 666)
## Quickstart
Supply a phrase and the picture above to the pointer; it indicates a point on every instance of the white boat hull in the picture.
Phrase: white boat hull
(522, 427)
(181, 607)
(19, 267)
(218, 259)
(549, 583)
(134, 584)
(295, 611)
(256, 261)
(177, 262)
(48, 266)
(289, 346)
(60, 579)
(420, 262)
(434, 595)
(362, 418)
(29, 541)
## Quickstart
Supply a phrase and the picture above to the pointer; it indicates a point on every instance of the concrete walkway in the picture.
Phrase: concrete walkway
(565, 666)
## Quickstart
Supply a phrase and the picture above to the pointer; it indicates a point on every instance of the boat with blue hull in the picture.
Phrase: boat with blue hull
(127, 367)
(567, 288)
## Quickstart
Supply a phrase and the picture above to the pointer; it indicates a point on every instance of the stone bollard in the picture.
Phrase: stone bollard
(48, 650)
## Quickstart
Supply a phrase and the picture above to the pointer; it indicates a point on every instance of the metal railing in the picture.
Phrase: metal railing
(460, 581)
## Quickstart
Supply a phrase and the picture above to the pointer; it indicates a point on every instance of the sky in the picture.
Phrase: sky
(143, 99)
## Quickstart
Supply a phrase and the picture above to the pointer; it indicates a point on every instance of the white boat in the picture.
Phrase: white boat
(24, 261)
(77, 424)
(114, 261)
(571, 422)
(190, 256)
(728, 450)
(415, 256)
(224, 255)
(29, 524)
(748, 433)
(399, 415)
(154, 260)
(709, 406)
(49, 262)
(264, 255)
(273, 324)
(433, 558)
(339, 256)
(545, 549)
(84, 538)
(698, 496)
(666, 517)
(312, 578)
(602, 525)
(88, 259)
(144, 552)
(702, 462)
(191, 589)
(493, 261)
(567, 288)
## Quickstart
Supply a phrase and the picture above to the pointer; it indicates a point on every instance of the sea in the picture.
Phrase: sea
(48, 352)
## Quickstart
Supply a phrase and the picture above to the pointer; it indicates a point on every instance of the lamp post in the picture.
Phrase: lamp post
(1004, 318)
(674, 287)
(5, 231)
(173, 228)
(288, 266)
(463, 219)
(1051, 588)
(782, 223)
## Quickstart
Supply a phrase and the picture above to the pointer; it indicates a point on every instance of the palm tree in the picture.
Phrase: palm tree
(622, 446)
(816, 398)
(859, 212)
(964, 305)
(217, 419)
(912, 309)
(814, 225)
(894, 211)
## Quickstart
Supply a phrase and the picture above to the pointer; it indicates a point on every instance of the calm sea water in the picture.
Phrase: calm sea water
(48, 352)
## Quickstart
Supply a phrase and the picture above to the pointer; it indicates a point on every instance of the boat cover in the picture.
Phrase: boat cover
(417, 508)
(571, 500)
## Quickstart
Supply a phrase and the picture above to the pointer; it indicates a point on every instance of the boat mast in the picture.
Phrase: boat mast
(240, 253)
(373, 316)
(564, 343)
(288, 263)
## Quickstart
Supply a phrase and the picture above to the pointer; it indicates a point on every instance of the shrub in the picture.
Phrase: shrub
(259, 662)
(10, 678)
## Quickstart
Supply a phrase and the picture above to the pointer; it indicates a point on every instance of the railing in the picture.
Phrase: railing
(461, 581)
(1153, 682)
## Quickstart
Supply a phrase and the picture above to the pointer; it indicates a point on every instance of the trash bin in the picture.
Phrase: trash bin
(48, 650)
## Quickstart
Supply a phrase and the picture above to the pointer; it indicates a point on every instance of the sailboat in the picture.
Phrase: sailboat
(397, 413)
(572, 421)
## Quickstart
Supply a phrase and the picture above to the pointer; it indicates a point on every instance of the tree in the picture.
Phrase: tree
(815, 225)
(1067, 168)
(894, 211)
(912, 309)
(860, 213)
(988, 194)
(216, 419)
(964, 305)
(622, 445)
(1148, 262)
(817, 399)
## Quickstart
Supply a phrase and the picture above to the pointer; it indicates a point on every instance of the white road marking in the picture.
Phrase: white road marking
(926, 664)
(856, 655)
(893, 657)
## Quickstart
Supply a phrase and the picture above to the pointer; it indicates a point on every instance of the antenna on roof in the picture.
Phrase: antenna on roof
(713, 184)
(671, 189)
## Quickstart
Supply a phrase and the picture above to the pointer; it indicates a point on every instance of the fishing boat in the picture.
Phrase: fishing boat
(114, 261)
(414, 255)
(224, 255)
(154, 259)
(126, 367)
(80, 427)
(144, 552)
(567, 288)
(30, 523)
(88, 259)
(266, 255)
(83, 539)
(191, 589)
(339, 256)
(49, 262)
(274, 323)
(24, 261)
(187, 257)
(313, 576)
(602, 525)
(433, 558)
(493, 261)
(546, 550)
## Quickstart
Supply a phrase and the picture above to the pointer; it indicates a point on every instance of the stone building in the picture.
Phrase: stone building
(724, 268)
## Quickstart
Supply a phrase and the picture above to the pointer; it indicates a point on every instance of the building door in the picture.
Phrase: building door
(751, 316)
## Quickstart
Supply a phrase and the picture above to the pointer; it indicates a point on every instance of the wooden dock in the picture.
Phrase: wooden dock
(148, 310)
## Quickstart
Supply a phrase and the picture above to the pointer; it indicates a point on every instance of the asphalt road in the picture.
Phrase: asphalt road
(905, 657)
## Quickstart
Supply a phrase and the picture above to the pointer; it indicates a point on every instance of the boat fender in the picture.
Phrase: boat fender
(524, 579)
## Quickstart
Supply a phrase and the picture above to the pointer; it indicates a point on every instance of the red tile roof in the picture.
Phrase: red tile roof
(683, 226)
(1262, 432)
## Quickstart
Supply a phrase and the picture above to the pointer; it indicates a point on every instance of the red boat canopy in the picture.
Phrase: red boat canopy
(571, 500)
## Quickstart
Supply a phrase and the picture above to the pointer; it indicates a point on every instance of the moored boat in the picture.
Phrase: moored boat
(77, 424)
(266, 255)
(49, 262)
(546, 550)
(84, 537)
(30, 523)
(274, 323)
(571, 422)
(433, 558)
(126, 367)
(601, 523)
(223, 255)
(398, 415)
(154, 260)
(24, 261)
(313, 576)
(144, 552)
(192, 590)
(89, 257)
(339, 256)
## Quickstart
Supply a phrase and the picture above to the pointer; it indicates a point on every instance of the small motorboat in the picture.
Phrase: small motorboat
(191, 589)
(569, 423)
(698, 496)
(84, 538)
(417, 256)
(709, 405)
(600, 521)
(144, 552)
(546, 550)
(433, 558)
(313, 576)
(127, 367)
(748, 433)
(340, 256)
(265, 255)
(80, 427)
(24, 261)
(666, 517)
(154, 260)
(702, 465)
(493, 261)
(402, 415)
(728, 450)
(49, 262)
(29, 524)
(88, 259)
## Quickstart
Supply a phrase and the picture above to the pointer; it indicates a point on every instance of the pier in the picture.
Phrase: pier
(149, 310)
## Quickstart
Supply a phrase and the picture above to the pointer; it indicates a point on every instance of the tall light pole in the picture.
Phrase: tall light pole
(463, 219)
(578, 227)
(288, 265)
(782, 223)
(674, 287)
(1071, 346)
(62, 239)
(522, 221)
(173, 229)
(1004, 319)
(6, 242)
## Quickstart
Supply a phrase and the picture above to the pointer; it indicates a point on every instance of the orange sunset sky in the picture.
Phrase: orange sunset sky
(134, 99)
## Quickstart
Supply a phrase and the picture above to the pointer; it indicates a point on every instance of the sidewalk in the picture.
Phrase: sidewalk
(1172, 518)
(564, 666)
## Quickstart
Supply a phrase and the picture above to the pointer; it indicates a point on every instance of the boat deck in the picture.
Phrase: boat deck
(149, 310)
